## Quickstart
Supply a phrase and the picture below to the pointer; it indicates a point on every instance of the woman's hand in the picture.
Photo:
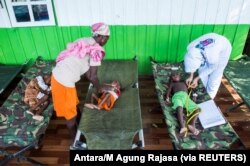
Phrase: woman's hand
(91, 75)
(189, 80)
(195, 82)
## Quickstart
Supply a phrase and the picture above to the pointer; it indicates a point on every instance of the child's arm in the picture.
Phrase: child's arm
(94, 96)
(169, 92)
(92, 105)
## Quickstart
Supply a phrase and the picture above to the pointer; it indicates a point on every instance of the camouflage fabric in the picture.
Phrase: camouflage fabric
(237, 73)
(17, 128)
(219, 137)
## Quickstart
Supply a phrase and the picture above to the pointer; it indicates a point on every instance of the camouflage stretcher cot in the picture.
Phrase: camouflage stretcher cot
(7, 74)
(17, 128)
(218, 137)
(114, 129)
(238, 75)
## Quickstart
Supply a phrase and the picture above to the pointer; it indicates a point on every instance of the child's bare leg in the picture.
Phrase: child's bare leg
(108, 101)
(43, 107)
(39, 104)
(194, 120)
(91, 105)
(96, 107)
(193, 130)
(93, 96)
(191, 125)
(31, 111)
(181, 120)
(104, 99)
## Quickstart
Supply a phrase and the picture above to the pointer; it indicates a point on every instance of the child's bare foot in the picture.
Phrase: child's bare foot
(193, 130)
(96, 107)
(30, 112)
(183, 130)
(90, 106)
(38, 117)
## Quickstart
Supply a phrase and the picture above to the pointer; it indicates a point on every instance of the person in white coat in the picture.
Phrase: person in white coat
(209, 54)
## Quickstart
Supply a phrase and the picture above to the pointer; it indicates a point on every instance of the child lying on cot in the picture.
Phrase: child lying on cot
(109, 94)
(37, 95)
(181, 100)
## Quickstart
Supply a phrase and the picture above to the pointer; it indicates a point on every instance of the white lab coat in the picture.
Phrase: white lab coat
(209, 61)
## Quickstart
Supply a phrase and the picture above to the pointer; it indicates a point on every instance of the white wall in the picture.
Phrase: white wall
(152, 12)
(4, 18)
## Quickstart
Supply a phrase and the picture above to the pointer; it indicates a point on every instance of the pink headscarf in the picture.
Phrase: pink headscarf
(80, 49)
(100, 29)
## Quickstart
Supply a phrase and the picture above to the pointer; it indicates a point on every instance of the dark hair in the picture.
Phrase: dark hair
(174, 72)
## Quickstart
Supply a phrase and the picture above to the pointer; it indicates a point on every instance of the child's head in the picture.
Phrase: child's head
(116, 84)
(175, 76)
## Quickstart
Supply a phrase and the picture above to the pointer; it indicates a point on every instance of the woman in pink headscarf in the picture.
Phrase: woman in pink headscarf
(80, 57)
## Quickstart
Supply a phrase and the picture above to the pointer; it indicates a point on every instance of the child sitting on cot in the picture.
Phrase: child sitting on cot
(109, 94)
(181, 100)
(37, 95)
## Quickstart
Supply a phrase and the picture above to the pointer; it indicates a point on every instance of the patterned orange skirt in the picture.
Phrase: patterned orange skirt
(64, 99)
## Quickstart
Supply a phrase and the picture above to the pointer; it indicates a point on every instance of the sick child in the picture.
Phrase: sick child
(37, 96)
(180, 100)
(109, 94)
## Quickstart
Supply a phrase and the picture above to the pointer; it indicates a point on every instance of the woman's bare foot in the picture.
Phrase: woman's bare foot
(193, 130)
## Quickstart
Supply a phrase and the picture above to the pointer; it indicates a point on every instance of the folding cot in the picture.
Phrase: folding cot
(114, 129)
(238, 75)
(7, 74)
(218, 137)
(17, 128)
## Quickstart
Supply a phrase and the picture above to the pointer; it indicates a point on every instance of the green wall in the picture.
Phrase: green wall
(163, 42)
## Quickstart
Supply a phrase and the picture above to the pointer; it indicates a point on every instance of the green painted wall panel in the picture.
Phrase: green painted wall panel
(196, 31)
(239, 38)
(28, 43)
(162, 46)
(208, 28)
(16, 46)
(7, 54)
(162, 42)
(184, 39)
(40, 41)
(51, 42)
(219, 28)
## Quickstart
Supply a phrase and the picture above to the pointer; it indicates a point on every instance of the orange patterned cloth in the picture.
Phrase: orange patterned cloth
(108, 105)
(64, 99)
